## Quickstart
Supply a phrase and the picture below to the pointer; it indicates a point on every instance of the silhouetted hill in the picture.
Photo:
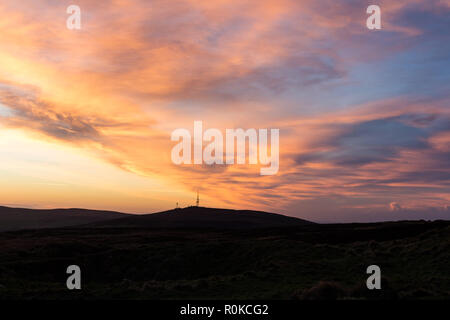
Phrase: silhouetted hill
(12, 219)
(21, 218)
(201, 217)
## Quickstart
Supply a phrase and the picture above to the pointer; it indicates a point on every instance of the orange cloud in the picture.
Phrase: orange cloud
(138, 70)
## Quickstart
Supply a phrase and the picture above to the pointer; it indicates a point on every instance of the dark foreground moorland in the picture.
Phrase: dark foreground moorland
(307, 261)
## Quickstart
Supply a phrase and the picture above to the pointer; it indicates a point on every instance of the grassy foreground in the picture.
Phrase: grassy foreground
(310, 262)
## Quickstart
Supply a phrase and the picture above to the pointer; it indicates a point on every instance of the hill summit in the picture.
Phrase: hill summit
(202, 217)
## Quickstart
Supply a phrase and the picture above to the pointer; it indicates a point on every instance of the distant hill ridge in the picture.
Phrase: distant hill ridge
(191, 217)
(23, 218)
(202, 217)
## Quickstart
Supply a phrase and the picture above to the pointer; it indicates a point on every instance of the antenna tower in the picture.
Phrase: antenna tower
(197, 203)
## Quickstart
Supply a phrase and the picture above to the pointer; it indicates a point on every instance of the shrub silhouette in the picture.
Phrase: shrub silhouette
(385, 293)
(324, 290)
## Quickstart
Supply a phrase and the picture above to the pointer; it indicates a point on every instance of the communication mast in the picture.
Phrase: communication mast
(197, 203)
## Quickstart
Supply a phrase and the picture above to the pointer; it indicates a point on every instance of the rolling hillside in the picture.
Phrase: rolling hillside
(20, 218)
(201, 217)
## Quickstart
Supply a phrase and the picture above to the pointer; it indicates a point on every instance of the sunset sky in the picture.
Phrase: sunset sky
(364, 115)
